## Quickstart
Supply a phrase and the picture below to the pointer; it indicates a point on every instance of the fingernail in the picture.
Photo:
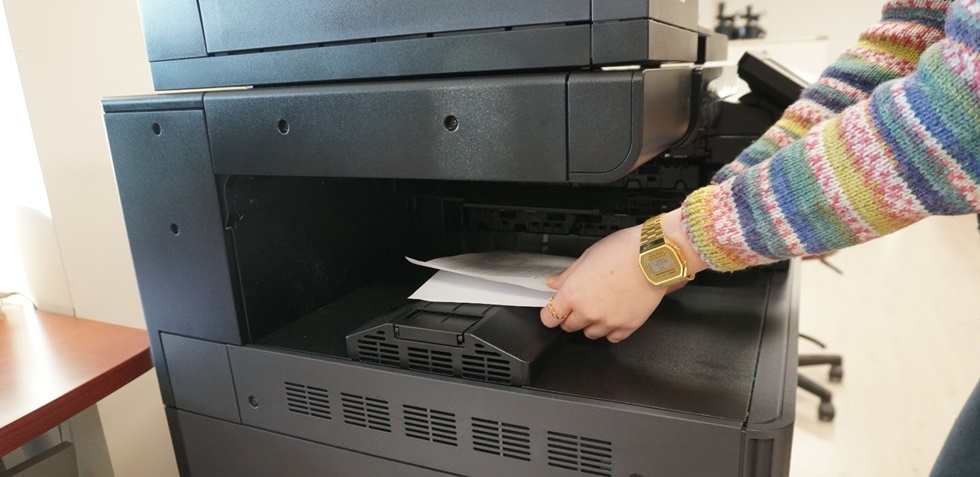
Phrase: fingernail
(552, 279)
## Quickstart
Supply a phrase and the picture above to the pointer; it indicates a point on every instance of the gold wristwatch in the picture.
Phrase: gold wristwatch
(660, 260)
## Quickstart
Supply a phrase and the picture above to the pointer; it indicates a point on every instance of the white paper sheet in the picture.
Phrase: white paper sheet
(529, 270)
(494, 278)
(455, 288)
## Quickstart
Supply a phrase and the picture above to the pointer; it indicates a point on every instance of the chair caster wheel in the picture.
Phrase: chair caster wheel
(836, 373)
(826, 412)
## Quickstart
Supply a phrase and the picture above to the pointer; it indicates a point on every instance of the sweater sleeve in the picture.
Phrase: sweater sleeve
(911, 150)
(885, 51)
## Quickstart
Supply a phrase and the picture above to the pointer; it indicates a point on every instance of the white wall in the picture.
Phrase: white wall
(30, 262)
(841, 21)
(70, 54)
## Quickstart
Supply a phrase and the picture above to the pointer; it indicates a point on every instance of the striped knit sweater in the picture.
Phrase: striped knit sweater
(909, 151)
(885, 51)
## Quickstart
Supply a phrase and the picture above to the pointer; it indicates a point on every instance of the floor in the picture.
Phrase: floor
(905, 314)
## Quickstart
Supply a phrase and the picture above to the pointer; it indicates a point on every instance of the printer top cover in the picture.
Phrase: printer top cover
(215, 43)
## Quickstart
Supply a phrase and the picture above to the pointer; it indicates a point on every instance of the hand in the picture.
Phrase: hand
(605, 293)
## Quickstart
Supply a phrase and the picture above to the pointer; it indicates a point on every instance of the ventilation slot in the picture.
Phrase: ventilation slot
(308, 400)
(430, 425)
(430, 361)
(366, 412)
(374, 349)
(581, 454)
(500, 438)
(486, 366)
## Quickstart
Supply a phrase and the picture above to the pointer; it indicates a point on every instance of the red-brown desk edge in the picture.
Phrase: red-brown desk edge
(93, 360)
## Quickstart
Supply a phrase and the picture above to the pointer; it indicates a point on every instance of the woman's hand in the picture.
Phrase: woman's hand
(605, 293)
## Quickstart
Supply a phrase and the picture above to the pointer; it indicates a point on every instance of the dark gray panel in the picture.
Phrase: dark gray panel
(200, 377)
(600, 121)
(364, 409)
(248, 24)
(661, 113)
(536, 48)
(177, 437)
(692, 355)
(172, 29)
(641, 41)
(509, 128)
(772, 415)
(683, 13)
(777, 361)
(665, 114)
(160, 366)
(212, 448)
(170, 205)
(157, 102)
(711, 46)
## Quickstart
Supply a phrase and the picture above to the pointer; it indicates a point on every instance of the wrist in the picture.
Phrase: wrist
(674, 232)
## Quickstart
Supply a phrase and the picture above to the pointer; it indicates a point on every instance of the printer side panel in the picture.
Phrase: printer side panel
(172, 29)
(768, 434)
(170, 205)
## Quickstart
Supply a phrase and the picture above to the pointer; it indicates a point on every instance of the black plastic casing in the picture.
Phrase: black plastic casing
(232, 261)
(214, 43)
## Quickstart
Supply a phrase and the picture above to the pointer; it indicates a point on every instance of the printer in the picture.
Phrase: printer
(269, 212)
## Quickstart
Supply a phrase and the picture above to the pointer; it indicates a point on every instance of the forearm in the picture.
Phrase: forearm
(674, 231)
(885, 51)
(908, 152)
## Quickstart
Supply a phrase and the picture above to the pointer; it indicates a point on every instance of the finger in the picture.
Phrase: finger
(548, 317)
(574, 323)
(594, 332)
(557, 281)
(618, 335)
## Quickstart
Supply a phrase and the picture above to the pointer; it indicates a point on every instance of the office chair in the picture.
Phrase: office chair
(826, 410)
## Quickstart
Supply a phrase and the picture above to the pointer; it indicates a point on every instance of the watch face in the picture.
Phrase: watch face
(662, 265)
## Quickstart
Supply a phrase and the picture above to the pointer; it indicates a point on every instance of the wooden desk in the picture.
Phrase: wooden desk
(53, 366)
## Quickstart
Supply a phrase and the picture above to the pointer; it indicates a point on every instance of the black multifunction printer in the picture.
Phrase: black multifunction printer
(269, 223)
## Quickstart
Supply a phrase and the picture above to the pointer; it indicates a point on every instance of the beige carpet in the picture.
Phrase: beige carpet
(906, 316)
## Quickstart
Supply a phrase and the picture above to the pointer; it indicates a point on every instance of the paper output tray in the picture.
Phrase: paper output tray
(494, 344)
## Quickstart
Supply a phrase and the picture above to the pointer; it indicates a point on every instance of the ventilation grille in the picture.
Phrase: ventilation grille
(374, 349)
(366, 412)
(500, 438)
(308, 400)
(430, 425)
(430, 361)
(581, 454)
(486, 366)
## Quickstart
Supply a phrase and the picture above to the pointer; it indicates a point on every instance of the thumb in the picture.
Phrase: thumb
(557, 281)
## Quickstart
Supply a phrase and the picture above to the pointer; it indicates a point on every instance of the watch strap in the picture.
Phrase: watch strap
(652, 234)
(652, 237)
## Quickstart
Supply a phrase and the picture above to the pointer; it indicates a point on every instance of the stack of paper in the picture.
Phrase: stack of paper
(493, 278)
